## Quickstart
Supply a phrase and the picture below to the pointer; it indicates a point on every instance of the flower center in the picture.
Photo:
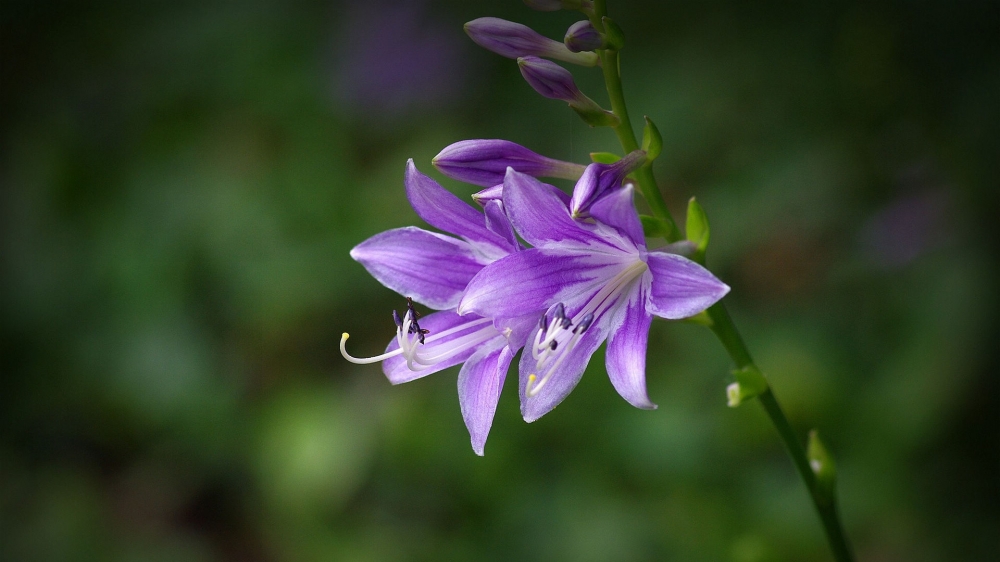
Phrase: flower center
(424, 350)
(558, 335)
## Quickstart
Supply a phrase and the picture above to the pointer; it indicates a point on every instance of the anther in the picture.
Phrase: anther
(584, 323)
(560, 311)
(396, 319)
(553, 345)
(543, 322)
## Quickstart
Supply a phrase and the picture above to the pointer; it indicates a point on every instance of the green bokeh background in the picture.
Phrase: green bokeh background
(182, 182)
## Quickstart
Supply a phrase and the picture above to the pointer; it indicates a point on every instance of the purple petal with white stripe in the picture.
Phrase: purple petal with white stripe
(680, 287)
(442, 209)
(617, 210)
(408, 260)
(528, 282)
(540, 216)
(479, 384)
(626, 354)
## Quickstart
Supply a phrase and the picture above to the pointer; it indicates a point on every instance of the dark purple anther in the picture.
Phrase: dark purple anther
(585, 323)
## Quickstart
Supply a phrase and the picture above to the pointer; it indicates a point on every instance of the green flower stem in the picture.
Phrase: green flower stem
(722, 323)
(725, 330)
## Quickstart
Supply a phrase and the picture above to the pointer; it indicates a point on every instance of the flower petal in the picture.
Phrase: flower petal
(539, 215)
(617, 209)
(408, 261)
(479, 384)
(626, 354)
(564, 379)
(442, 209)
(395, 368)
(498, 223)
(680, 287)
(530, 281)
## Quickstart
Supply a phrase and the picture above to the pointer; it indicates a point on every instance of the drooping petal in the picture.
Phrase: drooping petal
(498, 223)
(680, 287)
(395, 368)
(626, 354)
(530, 281)
(563, 379)
(442, 209)
(539, 215)
(617, 210)
(409, 261)
(479, 384)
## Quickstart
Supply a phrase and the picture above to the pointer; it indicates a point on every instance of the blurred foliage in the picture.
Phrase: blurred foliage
(182, 183)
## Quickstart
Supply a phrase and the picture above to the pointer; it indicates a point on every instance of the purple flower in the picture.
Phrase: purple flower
(434, 269)
(513, 40)
(484, 162)
(588, 281)
(598, 179)
(582, 36)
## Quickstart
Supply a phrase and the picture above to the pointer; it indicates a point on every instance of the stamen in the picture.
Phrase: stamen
(556, 338)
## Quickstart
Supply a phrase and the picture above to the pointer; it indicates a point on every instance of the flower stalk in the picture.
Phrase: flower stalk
(720, 323)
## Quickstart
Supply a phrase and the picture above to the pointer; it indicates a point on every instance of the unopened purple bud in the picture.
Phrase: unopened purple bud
(513, 40)
(549, 79)
(485, 161)
(582, 36)
(599, 179)
(554, 5)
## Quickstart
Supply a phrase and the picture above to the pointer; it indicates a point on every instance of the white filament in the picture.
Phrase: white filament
(424, 355)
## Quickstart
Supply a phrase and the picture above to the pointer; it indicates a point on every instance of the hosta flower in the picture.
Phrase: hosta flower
(585, 281)
(434, 269)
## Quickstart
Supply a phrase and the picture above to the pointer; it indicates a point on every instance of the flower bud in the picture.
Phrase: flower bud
(822, 465)
(484, 162)
(555, 82)
(598, 179)
(549, 79)
(750, 383)
(555, 5)
(513, 40)
(582, 36)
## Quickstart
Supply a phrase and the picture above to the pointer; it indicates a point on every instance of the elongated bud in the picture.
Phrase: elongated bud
(484, 162)
(822, 465)
(750, 383)
(599, 179)
(555, 82)
(555, 5)
(513, 40)
(582, 36)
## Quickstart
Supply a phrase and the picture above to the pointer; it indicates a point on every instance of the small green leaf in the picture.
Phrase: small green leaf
(697, 226)
(604, 157)
(613, 34)
(652, 142)
(653, 227)
(822, 465)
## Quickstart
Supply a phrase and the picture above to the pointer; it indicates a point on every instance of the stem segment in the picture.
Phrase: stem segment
(722, 323)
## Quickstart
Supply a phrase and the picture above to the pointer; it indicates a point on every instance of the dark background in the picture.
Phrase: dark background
(182, 182)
